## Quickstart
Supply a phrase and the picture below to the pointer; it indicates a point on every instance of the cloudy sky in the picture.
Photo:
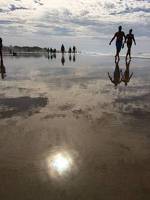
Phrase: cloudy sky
(85, 22)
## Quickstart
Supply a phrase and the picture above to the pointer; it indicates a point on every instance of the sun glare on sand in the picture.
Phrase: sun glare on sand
(60, 163)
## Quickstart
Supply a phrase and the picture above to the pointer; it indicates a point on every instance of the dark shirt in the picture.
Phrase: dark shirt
(119, 35)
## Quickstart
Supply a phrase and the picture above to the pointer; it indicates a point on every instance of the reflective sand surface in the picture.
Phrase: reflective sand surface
(67, 132)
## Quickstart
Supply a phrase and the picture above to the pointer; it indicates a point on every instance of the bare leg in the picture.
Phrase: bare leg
(130, 53)
(1, 63)
(127, 55)
(116, 56)
(118, 52)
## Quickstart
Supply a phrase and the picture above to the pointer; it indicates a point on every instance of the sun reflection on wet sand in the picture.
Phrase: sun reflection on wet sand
(61, 163)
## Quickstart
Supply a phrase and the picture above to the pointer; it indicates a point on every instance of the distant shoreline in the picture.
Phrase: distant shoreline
(82, 53)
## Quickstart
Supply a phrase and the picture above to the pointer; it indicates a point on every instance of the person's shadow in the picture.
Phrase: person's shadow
(116, 79)
(126, 76)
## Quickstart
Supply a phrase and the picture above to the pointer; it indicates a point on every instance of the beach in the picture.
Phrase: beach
(72, 112)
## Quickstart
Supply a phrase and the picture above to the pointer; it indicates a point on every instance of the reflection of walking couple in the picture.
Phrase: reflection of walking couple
(120, 36)
(119, 76)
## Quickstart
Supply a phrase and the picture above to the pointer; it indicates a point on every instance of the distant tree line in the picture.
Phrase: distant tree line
(14, 50)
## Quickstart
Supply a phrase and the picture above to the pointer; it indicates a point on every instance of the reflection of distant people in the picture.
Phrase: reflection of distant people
(62, 49)
(70, 57)
(129, 39)
(2, 67)
(74, 57)
(54, 54)
(48, 51)
(63, 59)
(119, 41)
(126, 76)
(117, 75)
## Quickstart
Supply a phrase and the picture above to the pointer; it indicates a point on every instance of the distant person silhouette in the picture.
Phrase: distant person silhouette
(116, 79)
(74, 49)
(62, 49)
(48, 51)
(119, 42)
(62, 59)
(129, 39)
(126, 76)
(2, 67)
(70, 50)
(51, 50)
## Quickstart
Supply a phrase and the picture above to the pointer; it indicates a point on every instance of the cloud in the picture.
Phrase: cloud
(39, 2)
(12, 7)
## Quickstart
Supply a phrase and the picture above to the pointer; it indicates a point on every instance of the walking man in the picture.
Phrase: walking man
(119, 42)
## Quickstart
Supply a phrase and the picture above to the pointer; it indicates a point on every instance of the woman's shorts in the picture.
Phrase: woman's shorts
(129, 45)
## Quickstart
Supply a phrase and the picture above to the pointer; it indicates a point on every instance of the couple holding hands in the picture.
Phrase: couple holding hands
(129, 39)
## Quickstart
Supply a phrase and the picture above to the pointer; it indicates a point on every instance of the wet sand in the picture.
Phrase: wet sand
(67, 133)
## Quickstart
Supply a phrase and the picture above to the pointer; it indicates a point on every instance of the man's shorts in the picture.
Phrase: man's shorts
(118, 45)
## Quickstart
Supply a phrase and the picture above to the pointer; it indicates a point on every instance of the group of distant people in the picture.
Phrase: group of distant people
(63, 50)
(50, 50)
(121, 39)
(71, 50)
(52, 53)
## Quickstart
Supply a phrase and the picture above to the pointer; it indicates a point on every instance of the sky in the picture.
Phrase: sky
(88, 24)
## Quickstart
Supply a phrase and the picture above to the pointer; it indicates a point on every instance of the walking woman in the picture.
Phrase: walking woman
(129, 39)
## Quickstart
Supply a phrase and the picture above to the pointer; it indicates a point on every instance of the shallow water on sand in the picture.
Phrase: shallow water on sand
(67, 132)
